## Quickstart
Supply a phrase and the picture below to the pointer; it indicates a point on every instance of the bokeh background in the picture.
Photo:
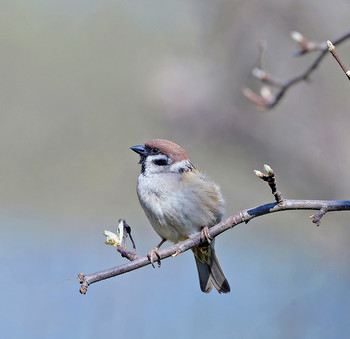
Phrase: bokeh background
(82, 81)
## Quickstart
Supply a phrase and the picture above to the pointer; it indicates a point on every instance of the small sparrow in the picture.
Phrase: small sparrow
(179, 201)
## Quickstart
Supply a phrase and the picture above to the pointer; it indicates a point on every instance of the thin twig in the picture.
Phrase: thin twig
(331, 48)
(316, 218)
(271, 100)
(127, 254)
(271, 180)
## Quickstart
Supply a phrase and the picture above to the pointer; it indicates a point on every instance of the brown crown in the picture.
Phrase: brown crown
(174, 151)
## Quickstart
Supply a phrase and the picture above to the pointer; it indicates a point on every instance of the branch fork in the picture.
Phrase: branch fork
(267, 99)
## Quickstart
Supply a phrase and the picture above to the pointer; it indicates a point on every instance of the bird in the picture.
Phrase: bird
(179, 201)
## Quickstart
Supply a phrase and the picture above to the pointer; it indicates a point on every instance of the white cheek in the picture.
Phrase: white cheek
(151, 167)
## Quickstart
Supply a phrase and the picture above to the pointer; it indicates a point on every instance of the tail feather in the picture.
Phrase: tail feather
(204, 276)
(209, 270)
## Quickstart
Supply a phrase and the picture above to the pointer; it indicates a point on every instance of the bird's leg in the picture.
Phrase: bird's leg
(205, 234)
(156, 252)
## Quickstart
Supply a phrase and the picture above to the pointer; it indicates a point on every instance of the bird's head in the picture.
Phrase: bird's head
(162, 156)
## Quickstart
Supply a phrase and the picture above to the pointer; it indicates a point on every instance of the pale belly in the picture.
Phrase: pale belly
(170, 225)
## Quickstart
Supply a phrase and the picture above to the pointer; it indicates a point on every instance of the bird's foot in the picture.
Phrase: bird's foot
(178, 251)
(150, 256)
(156, 252)
(205, 234)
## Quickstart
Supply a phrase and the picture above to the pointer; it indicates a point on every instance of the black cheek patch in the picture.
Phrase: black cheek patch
(161, 162)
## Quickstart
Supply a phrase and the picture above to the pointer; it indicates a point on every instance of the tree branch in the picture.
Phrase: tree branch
(244, 216)
(268, 100)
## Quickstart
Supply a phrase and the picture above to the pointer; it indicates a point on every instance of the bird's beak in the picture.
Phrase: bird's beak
(139, 149)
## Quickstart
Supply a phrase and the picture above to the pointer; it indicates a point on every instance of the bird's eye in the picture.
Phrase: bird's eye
(155, 150)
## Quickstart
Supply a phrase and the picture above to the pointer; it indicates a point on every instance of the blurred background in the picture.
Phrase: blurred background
(82, 81)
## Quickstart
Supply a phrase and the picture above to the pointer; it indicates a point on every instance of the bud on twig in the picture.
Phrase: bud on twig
(268, 170)
(259, 174)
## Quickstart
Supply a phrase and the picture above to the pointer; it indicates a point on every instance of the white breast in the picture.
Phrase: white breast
(177, 209)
